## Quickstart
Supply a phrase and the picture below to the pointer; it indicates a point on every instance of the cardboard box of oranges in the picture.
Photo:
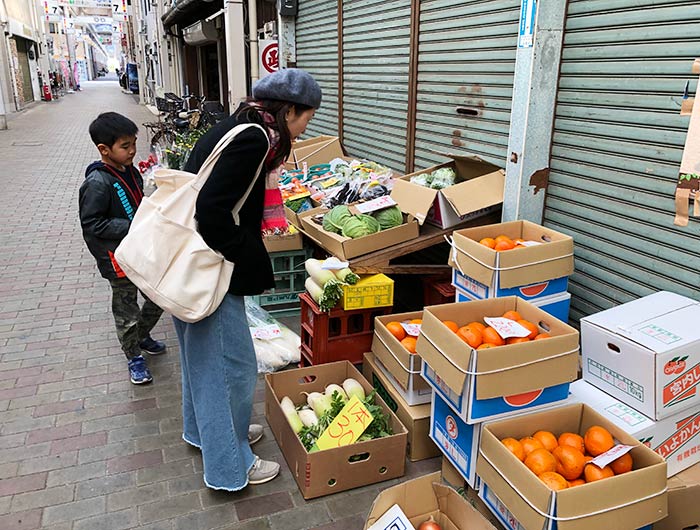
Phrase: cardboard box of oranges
(633, 498)
(497, 260)
(479, 375)
(395, 348)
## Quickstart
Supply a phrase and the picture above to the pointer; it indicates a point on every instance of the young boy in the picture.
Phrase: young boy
(109, 196)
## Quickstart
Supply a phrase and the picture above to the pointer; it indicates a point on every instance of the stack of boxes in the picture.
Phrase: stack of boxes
(537, 273)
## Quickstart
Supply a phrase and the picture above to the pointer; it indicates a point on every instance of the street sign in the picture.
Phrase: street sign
(85, 3)
(92, 19)
(528, 12)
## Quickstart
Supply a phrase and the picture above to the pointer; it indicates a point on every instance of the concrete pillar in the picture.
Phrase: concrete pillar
(235, 52)
(532, 115)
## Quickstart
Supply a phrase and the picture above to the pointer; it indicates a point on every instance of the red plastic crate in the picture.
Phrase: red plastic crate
(337, 335)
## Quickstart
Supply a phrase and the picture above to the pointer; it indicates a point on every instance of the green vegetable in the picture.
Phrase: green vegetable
(291, 413)
(331, 287)
(335, 218)
(344, 275)
(353, 388)
(360, 225)
(389, 217)
(443, 178)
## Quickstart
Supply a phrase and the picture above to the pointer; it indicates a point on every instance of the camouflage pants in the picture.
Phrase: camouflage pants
(133, 323)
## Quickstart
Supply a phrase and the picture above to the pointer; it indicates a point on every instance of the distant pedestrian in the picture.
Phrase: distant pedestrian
(219, 368)
(108, 198)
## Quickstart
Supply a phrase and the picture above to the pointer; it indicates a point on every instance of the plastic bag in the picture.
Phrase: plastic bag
(275, 344)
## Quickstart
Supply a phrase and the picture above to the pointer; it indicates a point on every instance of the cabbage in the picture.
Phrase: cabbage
(443, 178)
(389, 217)
(334, 219)
(360, 225)
(421, 180)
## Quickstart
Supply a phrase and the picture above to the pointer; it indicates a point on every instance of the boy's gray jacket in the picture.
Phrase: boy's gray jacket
(107, 203)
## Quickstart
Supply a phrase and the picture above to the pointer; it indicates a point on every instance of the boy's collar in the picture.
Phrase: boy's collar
(108, 163)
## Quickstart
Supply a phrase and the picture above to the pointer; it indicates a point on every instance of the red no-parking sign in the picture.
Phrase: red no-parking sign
(269, 58)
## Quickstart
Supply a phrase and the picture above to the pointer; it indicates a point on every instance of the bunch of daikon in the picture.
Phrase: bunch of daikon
(325, 285)
(310, 420)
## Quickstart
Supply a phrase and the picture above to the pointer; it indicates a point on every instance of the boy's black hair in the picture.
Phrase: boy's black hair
(108, 127)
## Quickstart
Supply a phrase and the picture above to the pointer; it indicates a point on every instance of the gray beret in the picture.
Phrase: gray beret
(291, 84)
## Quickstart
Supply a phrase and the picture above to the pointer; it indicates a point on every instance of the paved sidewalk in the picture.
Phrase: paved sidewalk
(81, 448)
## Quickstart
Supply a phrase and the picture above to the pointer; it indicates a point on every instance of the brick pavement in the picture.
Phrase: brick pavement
(81, 448)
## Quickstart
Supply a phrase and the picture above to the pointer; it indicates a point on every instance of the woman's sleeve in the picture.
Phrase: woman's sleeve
(226, 185)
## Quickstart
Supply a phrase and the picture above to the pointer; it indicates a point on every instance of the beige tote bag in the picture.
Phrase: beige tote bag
(165, 256)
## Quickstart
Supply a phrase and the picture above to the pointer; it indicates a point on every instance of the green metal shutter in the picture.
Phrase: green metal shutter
(466, 60)
(617, 146)
(317, 53)
(376, 35)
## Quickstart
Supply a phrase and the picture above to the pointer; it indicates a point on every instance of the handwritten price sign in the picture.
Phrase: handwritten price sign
(347, 426)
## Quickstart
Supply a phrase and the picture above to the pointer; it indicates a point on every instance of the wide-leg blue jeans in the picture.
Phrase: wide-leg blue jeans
(219, 371)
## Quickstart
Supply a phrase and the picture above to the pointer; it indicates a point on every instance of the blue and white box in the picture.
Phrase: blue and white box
(557, 305)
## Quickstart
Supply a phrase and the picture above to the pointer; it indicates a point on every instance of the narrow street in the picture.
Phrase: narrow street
(81, 448)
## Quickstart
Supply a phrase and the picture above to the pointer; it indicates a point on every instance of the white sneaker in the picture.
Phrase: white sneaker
(262, 471)
(255, 432)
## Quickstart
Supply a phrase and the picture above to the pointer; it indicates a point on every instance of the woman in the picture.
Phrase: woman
(219, 368)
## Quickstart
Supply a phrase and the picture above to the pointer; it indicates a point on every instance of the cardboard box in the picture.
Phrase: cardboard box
(375, 290)
(630, 500)
(415, 418)
(283, 243)
(486, 384)
(317, 150)
(458, 441)
(333, 470)
(528, 292)
(345, 248)
(683, 505)
(495, 272)
(646, 353)
(404, 367)
(676, 438)
(422, 497)
(557, 305)
(451, 476)
(478, 190)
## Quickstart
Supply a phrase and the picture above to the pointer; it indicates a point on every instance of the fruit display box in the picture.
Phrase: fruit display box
(556, 305)
(646, 353)
(627, 501)
(676, 438)
(548, 259)
(404, 366)
(485, 384)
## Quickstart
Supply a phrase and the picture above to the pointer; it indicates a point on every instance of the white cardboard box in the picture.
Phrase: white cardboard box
(646, 353)
(676, 438)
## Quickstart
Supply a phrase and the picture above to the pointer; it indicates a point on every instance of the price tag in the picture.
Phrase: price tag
(613, 454)
(347, 426)
(333, 265)
(375, 204)
(411, 329)
(268, 332)
(530, 243)
(506, 327)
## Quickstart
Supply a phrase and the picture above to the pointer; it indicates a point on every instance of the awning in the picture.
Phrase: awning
(187, 12)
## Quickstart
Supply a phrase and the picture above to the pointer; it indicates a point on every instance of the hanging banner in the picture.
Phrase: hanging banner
(268, 55)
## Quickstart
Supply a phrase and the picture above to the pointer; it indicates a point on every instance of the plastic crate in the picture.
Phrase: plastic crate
(290, 275)
(336, 335)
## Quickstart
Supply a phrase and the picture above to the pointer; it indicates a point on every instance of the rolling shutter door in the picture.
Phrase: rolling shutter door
(376, 47)
(466, 60)
(317, 53)
(617, 146)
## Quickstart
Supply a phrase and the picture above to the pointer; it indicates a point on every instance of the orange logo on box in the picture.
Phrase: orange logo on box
(682, 387)
(520, 400)
(687, 429)
(534, 290)
(451, 426)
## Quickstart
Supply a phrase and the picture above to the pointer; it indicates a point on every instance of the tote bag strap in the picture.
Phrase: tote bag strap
(208, 165)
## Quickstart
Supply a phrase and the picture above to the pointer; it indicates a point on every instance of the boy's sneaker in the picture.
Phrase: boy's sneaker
(255, 432)
(139, 372)
(154, 347)
(262, 471)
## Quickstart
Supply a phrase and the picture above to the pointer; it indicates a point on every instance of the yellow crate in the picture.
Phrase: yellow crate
(376, 290)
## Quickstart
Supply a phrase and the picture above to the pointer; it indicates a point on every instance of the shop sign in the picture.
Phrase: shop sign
(269, 58)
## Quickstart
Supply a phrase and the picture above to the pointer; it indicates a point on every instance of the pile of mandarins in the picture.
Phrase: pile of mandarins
(563, 462)
(398, 331)
(480, 336)
(502, 242)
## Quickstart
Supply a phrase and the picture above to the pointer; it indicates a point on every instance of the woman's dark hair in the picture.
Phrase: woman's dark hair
(109, 127)
(278, 110)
